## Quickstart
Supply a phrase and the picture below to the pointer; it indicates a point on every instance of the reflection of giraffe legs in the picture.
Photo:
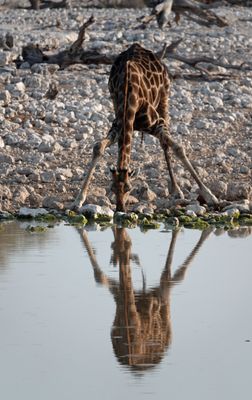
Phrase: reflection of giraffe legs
(100, 277)
(161, 132)
(98, 151)
(180, 273)
(141, 330)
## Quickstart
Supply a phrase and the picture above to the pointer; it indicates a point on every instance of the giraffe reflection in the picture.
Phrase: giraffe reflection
(141, 331)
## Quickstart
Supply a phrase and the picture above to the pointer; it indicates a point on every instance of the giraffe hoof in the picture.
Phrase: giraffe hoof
(177, 194)
(75, 206)
(209, 197)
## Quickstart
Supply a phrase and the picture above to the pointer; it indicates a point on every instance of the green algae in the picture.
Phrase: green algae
(126, 220)
(36, 229)
(146, 224)
(145, 221)
(46, 218)
(77, 219)
(101, 218)
(245, 221)
(197, 224)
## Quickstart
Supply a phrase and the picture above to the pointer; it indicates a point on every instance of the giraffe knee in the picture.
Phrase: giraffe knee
(98, 150)
(179, 150)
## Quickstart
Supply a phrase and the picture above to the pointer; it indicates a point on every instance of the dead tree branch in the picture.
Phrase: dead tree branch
(76, 54)
(199, 13)
(41, 4)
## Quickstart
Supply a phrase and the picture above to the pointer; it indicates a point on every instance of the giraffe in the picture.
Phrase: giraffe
(139, 86)
(142, 329)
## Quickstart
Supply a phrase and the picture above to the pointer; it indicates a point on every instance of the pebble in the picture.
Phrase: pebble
(93, 210)
(20, 194)
(196, 208)
(47, 144)
(52, 202)
(5, 98)
(48, 177)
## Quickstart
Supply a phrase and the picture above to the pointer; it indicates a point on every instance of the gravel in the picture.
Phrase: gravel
(46, 145)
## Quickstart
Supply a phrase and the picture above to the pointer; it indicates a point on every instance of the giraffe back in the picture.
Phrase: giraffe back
(137, 68)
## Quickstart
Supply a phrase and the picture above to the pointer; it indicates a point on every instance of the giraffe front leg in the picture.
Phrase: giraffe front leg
(98, 151)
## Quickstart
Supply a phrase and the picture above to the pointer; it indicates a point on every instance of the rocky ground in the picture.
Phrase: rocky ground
(46, 145)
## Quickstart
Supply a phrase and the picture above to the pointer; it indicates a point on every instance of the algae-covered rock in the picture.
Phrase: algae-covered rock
(197, 224)
(36, 229)
(47, 218)
(245, 216)
(78, 219)
(246, 221)
(142, 216)
(126, 219)
(97, 213)
(159, 217)
(101, 218)
(185, 219)
(232, 213)
(147, 224)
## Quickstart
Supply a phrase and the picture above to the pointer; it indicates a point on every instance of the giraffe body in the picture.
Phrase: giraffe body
(139, 87)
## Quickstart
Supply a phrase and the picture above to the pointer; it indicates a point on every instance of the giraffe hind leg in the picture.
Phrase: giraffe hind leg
(173, 185)
(161, 131)
(174, 188)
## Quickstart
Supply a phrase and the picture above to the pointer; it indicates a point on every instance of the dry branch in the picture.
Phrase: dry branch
(41, 4)
(75, 54)
(199, 13)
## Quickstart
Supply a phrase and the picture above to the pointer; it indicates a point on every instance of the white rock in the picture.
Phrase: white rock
(231, 212)
(21, 194)
(5, 58)
(215, 101)
(6, 158)
(31, 212)
(196, 208)
(191, 213)
(5, 97)
(65, 172)
(202, 124)
(47, 177)
(242, 207)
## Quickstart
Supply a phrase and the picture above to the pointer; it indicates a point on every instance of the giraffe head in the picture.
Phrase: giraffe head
(121, 186)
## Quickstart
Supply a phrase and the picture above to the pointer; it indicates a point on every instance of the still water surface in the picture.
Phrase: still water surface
(125, 314)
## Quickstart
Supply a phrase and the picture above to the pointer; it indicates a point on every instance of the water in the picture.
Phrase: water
(175, 323)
